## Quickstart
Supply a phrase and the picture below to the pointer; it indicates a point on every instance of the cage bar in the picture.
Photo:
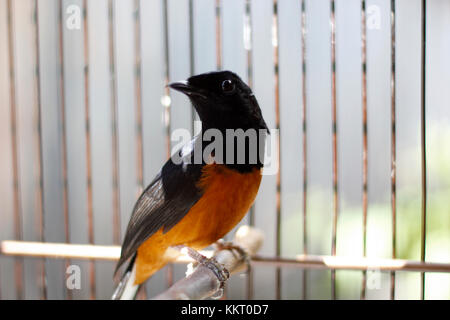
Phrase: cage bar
(142, 293)
(166, 75)
(277, 126)
(63, 134)
(167, 107)
(138, 96)
(219, 65)
(393, 148)
(334, 142)
(305, 146)
(349, 263)
(322, 262)
(248, 43)
(18, 273)
(115, 142)
(38, 136)
(364, 119)
(423, 144)
(191, 55)
(90, 216)
(218, 36)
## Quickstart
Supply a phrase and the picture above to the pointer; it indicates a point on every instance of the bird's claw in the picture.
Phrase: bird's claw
(219, 271)
(212, 264)
(226, 245)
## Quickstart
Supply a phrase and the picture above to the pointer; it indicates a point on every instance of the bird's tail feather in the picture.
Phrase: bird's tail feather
(127, 289)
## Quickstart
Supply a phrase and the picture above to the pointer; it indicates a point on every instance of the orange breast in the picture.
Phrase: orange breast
(227, 197)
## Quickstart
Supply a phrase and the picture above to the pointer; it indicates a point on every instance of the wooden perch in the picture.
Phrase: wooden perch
(202, 283)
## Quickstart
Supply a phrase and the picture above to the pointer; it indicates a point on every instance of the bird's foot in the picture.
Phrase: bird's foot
(212, 264)
(226, 245)
(219, 271)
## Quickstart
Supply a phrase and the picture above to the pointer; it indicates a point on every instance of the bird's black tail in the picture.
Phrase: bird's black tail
(126, 289)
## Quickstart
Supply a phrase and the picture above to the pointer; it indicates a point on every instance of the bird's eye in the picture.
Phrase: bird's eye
(227, 86)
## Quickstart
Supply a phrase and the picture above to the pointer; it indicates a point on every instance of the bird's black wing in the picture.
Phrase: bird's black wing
(164, 202)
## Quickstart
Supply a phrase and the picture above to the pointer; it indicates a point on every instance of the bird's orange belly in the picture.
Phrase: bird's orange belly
(227, 197)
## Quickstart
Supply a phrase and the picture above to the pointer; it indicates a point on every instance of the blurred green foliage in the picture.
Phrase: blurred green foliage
(379, 228)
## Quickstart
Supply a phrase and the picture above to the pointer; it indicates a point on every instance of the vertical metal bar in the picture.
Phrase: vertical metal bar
(248, 43)
(191, 55)
(218, 36)
(38, 144)
(115, 147)
(114, 140)
(191, 38)
(18, 270)
(219, 67)
(142, 293)
(167, 106)
(393, 148)
(334, 142)
(305, 146)
(277, 125)
(166, 75)
(364, 154)
(138, 93)
(63, 135)
(88, 148)
(423, 144)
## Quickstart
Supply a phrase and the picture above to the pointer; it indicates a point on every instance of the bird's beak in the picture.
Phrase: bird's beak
(187, 89)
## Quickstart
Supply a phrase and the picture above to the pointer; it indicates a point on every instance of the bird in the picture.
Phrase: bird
(201, 192)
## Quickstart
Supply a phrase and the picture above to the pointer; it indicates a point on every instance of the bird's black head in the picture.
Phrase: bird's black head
(222, 100)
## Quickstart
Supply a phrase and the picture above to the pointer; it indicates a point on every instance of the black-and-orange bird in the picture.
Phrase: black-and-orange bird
(197, 198)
